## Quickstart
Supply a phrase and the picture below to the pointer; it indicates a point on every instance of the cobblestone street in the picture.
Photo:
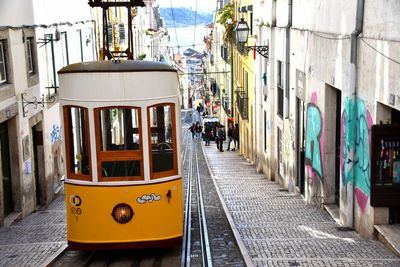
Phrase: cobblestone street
(36, 239)
(278, 228)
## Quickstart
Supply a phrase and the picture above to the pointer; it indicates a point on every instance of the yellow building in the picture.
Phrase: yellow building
(244, 81)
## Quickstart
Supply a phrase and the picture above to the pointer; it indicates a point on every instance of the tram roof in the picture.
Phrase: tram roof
(117, 66)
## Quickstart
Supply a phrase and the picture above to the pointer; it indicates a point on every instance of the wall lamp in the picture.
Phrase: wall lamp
(242, 33)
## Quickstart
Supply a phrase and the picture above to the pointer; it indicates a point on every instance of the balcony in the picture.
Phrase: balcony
(242, 104)
(226, 104)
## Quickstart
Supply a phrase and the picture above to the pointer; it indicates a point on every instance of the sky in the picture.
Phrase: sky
(202, 5)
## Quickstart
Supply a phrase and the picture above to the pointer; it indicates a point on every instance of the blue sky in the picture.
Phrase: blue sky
(202, 5)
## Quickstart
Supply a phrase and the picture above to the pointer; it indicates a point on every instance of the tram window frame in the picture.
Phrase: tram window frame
(68, 136)
(174, 170)
(118, 155)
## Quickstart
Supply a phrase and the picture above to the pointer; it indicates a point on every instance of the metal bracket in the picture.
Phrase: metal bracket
(36, 101)
(261, 49)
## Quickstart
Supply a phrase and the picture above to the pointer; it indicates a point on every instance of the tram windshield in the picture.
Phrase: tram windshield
(119, 129)
(118, 141)
(162, 128)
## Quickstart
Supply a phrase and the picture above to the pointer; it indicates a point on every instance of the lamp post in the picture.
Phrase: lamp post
(242, 33)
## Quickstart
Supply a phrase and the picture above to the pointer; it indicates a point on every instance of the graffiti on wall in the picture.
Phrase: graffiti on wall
(314, 140)
(55, 134)
(355, 149)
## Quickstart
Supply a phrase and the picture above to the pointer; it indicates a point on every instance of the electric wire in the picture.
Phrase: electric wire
(379, 52)
(173, 19)
(195, 24)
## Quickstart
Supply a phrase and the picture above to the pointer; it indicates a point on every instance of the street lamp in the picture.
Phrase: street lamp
(242, 33)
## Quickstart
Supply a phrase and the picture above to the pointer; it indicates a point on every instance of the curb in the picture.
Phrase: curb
(245, 254)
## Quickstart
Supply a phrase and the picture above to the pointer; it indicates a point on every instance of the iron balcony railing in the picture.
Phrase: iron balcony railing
(242, 104)
(226, 104)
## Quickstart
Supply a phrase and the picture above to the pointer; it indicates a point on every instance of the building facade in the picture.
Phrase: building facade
(328, 77)
(34, 44)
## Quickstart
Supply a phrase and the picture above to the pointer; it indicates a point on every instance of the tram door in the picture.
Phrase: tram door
(37, 136)
(6, 169)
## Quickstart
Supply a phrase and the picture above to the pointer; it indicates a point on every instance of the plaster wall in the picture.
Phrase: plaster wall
(382, 20)
(335, 17)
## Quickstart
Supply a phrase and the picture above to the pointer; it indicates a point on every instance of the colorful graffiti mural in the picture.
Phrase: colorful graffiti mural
(314, 140)
(355, 149)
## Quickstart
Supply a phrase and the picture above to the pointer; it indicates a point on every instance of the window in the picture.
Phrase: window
(77, 142)
(51, 65)
(30, 58)
(280, 156)
(64, 47)
(3, 62)
(79, 33)
(119, 146)
(280, 78)
(265, 130)
(162, 140)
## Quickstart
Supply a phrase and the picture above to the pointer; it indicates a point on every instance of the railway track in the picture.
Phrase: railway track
(196, 246)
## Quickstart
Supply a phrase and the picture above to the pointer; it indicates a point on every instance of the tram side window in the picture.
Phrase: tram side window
(77, 141)
(163, 154)
(119, 143)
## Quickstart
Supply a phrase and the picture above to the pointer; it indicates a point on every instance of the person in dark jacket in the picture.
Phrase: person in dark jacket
(220, 138)
(235, 135)
(207, 133)
(230, 136)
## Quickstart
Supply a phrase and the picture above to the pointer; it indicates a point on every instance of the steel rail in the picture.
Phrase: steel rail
(186, 246)
(202, 219)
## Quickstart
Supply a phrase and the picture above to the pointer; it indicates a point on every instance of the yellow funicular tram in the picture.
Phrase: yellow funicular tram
(123, 184)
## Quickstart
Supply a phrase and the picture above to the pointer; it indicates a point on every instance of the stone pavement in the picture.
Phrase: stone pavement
(278, 228)
(35, 240)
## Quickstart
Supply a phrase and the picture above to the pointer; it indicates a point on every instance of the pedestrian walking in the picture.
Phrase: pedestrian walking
(198, 129)
(207, 133)
(235, 135)
(220, 138)
(230, 136)
(192, 130)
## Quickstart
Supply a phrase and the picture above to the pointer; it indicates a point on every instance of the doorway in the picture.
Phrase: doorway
(300, 155)
(337, 145)
(6, 169)
(38, 156)
(394, 213)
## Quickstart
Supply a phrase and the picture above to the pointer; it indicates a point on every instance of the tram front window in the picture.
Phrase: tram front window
(118, 141)
(77, 142)
(162, 139)
(119, 129)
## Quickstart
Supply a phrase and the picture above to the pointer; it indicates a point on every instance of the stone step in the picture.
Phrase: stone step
(389, 235)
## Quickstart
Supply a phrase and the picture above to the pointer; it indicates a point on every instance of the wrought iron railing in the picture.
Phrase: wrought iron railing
(242, 103)
(226, 104)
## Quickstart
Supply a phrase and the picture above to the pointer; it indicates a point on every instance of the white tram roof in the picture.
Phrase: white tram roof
(117, 66)
(117, 81)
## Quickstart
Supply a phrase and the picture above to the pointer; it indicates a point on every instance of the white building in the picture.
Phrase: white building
(331, 75)
(37, 38)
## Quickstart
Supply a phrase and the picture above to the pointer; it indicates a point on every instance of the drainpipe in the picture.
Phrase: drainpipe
(354, 88)
(287, 59)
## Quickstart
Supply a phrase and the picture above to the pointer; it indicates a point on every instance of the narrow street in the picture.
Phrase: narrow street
(272, 227)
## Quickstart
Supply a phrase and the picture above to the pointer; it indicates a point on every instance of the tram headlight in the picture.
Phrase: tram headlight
(122, 213)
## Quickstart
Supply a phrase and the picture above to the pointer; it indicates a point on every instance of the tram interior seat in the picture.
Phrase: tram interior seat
(163, 157)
